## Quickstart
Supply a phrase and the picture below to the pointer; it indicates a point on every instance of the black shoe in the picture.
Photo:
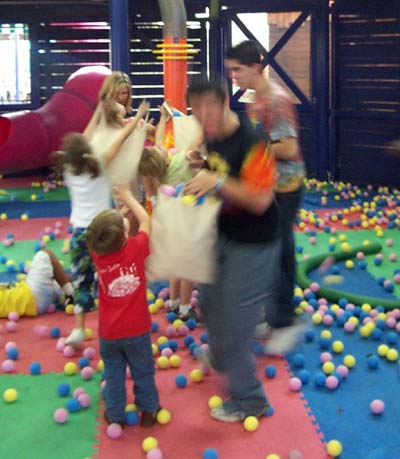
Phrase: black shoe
(148, 419)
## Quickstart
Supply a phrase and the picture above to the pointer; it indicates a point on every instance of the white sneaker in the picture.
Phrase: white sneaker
(221, 414)
(75, 337)
(284, 339)
(263, 331)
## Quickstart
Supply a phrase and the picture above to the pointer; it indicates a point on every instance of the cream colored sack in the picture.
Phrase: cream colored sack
(182, 240)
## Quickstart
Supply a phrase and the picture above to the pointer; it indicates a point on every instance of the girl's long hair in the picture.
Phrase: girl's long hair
(76, 156)
(112, 83)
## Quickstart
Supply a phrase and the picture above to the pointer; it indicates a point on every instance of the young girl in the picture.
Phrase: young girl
(90, 193)
(157, 166)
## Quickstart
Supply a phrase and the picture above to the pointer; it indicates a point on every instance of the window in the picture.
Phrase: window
(15, 72)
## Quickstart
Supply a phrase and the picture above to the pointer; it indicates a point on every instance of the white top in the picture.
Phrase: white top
(89, 196)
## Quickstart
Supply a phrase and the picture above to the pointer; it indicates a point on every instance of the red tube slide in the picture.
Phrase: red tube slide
(28, 138)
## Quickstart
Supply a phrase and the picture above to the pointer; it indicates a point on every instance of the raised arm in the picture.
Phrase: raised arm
(123, 193)
(94, 121)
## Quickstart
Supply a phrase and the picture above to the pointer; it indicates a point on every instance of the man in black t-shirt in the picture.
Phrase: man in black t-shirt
(241, 170)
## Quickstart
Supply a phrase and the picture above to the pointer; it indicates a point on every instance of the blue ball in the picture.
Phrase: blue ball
(154, 327)
(13, 353)
(299, 360)
(83, 362)
(270, 411)
(63, 389)
(256, 348)
(377, 334)
(210, 453)
(362, 264)
(171, 316)
(164, 346)
(343, 302)
(35, 368)
(270, 371)
(55, 332)
(304, 376)
(204, 337)
(131, 418)
(192, 346)
(188, 340)
(373, 362)
(335, 269)
(391, 337)
(173, 344)
(3, 259)
(319, 380)
(73, 405)
(324, 343)
(309, 336)
(181, 381)
(191, 324)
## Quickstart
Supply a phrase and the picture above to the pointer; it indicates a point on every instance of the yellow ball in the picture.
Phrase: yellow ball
(365, 331)
(273, 456)
(149, 443)
(154, 349)
(88, 333)
(175, 361)
(70, 368)
(189, 199)
(163, 362)
(69, 309)
(162, 340)
(326, 334)
(3, 216)
(100, 365)
(177, 323)
(334, 448)
(251, 423)
(159, 303)
(33, 197)
(153, 308)
(150, 295)
(214, 401)
(349, 361)
(353, 320)
(163, 416)
(366, 307)
(328, 368)
(337, 346)
(316, 318)
(130, 407)
(342, 237)
(332, 240)
(349, 264)
(46, 238)
(196, 375)
(24, 217)
(392, 355)
(10, 395)
(382, 350)
(334, 307)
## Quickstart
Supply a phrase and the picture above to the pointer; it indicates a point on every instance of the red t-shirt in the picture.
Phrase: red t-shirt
(123, 308)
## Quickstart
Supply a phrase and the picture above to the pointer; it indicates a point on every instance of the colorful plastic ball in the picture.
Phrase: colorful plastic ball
(68, 351)
(377, 406)
(270, 411)
(10, 395)
(304, 376)
(334, 448)
(35, 368)
(251, 423)
(295, 454)
(154, 453)
(11, 326)
(163, 416)
(270, 371)
(295, 384)
(319, 380)
(8, 366)
(337, 346)
(299, 360)
(349, 361)
(73, 405)
(55, 332)
(175, 361)
(87, 373)
(70, 368)
(332, 382)
(13, 316)
(196, 375)
(131, 418)
(114, 431)
(60, 415)
(149, 443)
(63, 389)
(273, 456)
(392, 355)
(181, 381)
(163, 362)
(215, 401)
(210, 453)
(84, 400)
(13, 353)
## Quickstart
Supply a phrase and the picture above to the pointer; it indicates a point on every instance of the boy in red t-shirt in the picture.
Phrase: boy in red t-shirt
(124, 318)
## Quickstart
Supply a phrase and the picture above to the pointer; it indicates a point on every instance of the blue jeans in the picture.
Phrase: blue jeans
(135, 352)
(280, 310)
(231, 309)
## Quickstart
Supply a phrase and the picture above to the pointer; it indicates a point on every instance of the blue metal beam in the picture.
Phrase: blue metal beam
(119, 35)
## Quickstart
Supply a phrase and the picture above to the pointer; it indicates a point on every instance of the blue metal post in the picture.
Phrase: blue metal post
(119, 35)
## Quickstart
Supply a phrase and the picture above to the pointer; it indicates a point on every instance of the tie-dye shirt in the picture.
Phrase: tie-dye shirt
(276, 116)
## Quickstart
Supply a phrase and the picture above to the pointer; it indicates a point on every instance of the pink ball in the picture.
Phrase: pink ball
(314, 287)
(393, 257)
(68, 351)
(325, 357)
(57, 232)
(154, 454)
(47, 230)
(167, 352)
(390, 322)
(360, 256)
(51, 308)
(163, 293)
(183, 330)
(87, 373)
(78, 391)
(42, 330)
(8, 366)
(11, 326)
(170, 331)
(84, 400)
(114, 431)
(379, 256)
(13, 316)
(327, 320)
(168, 190)
(58, 224)
(389, 242)
(89, 352)
(332, 382)
(295, 454)
(397, 278)
(349, 327)
(312, 240)
(377, 406)
(61, 415)
(342, 370)
(295, 384)
(194, 301)
(10, 345)
(60, 345)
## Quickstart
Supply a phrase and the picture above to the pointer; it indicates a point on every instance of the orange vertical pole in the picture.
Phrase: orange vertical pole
(175, 74)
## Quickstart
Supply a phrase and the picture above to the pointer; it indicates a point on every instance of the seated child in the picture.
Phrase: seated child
(124, 318)
(46, 284)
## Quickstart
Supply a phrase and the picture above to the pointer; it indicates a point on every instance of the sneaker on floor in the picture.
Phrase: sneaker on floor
(284, 339)
(191, 314)
(77, 336)
(222, 414)
(263, 331)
